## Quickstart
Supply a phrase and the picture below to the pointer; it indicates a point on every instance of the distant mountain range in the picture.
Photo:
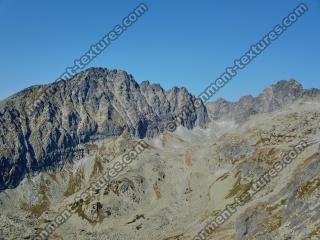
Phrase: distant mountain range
(273, 98)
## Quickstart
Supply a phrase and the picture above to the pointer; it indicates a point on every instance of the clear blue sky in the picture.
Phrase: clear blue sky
(183, 43)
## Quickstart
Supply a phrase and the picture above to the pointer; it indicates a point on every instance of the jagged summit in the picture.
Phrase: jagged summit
(95, 104)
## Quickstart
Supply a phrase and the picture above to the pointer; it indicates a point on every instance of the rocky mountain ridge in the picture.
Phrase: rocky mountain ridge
(39, 131)
(273, 98)
(95, 104)
(179, 183)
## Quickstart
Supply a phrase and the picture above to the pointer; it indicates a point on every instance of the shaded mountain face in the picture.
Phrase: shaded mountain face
(43, 125)
(273, 98)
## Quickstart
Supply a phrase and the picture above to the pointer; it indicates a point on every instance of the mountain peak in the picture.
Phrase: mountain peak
(285, 88)
(97, 103)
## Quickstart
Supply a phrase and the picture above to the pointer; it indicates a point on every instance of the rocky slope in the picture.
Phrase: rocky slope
(42, 125)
